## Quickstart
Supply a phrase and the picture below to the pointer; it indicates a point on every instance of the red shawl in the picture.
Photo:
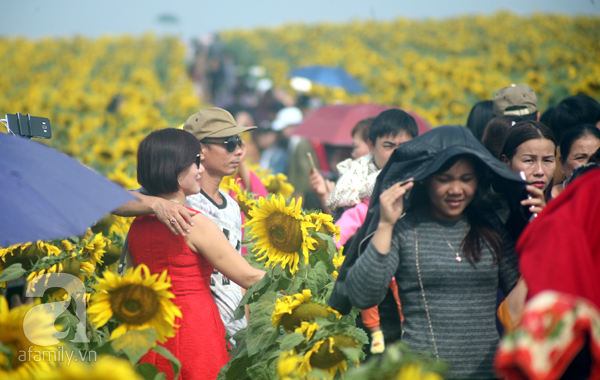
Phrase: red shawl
(560, 249)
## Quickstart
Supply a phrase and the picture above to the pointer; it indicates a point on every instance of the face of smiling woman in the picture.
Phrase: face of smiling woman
(450, 192)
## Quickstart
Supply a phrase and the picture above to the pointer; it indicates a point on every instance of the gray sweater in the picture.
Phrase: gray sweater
(461, 298)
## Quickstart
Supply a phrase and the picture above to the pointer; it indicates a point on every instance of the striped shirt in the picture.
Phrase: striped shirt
(461, 298)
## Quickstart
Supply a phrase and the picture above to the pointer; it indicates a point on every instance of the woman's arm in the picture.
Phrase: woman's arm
(365, 289)
(162, 208)
(207, 239)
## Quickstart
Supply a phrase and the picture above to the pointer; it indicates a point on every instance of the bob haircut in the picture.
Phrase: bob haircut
(162, 155)
(392, 122)
(524, 131)
(574, 134)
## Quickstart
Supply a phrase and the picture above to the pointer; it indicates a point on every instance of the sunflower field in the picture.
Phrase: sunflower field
(437, 68)
(104, 95)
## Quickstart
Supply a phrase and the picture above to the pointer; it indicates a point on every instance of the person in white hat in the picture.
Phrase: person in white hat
(298, 169)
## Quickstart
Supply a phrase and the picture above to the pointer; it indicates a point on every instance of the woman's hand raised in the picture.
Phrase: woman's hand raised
(391, 202)
(536, 200)
(391, 207)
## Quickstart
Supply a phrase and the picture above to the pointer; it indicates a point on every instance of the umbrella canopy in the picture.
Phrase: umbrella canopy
(329, 76)
(46, 195)
(333, 124)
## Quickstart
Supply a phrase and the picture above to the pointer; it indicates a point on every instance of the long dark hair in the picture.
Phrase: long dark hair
(478, 213)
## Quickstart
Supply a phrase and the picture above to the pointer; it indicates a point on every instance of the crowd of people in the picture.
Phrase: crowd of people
(447, 234)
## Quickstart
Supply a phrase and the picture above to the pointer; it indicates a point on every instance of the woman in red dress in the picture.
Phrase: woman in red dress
(169, 167)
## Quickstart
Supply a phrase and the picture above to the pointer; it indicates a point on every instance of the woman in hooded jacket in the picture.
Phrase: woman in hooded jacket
(446, 247)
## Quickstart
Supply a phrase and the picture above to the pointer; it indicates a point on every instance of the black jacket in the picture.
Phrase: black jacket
(419, 158)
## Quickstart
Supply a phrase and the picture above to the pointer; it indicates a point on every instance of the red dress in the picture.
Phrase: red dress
(200, 342)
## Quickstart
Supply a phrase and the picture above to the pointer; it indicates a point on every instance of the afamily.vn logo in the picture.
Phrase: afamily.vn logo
(74, 290)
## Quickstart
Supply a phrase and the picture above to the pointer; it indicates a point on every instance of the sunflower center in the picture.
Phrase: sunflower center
(134, 304)
(285, 233)
(274, 187)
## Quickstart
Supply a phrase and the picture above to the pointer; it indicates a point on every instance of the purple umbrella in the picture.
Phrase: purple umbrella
(45, 194)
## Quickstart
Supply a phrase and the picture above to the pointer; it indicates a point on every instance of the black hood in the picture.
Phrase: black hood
(420, 158)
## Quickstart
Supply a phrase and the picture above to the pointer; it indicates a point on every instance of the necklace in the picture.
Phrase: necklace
(173, 200)
(457, 253)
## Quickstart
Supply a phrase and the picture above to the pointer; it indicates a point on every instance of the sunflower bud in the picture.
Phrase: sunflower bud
(307, 311)
(329, 354)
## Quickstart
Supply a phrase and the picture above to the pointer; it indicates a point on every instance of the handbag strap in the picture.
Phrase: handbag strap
(435, 349)
(123, 254)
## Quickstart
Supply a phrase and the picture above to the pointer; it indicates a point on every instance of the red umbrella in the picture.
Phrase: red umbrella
(332, 124)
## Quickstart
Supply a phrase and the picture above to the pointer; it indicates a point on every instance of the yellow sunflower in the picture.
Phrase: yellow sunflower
(287, 365)
(324, 224)
(107, 367)
(278, 185)
(17, 327)
(139, 300)
(92, 251)
(415, 371)
(291, 311)
(307, 329)
(326, 356)
(281, 232)
(244, 200)
(338, 261)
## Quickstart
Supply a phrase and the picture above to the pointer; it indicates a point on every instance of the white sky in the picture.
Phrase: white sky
(92, 18)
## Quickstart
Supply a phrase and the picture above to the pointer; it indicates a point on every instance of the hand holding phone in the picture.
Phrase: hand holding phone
(524, 178)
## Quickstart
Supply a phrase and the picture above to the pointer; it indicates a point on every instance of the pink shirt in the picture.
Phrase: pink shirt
(351, 220)
(257, 188)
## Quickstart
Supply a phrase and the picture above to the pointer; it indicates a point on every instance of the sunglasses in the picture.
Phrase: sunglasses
(197, 161)
(231, 143)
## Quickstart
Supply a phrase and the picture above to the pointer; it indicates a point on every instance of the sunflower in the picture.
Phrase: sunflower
(413, 371)
(107, 367)
(324, 224)
(92, 251)
(307, 329)
(326, 356)
(281, 232)
(244, 200)
(17, 327)
(338, 261)
(278, 185)
(287, 365)
(291, 311)
(139, 300)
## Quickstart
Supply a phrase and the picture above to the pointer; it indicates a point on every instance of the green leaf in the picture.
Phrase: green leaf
(9, 354)
(175, 363)
(147, 370)
(135, 343)
(12, 272)
(235, 369)
(259, 326)
(252, 295)
(353, 354)
(291, 341)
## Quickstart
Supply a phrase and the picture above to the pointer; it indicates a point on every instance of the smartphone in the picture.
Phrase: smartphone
(29, 126)
(310, 159)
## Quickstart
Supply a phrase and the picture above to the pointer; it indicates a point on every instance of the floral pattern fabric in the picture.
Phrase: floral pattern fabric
(552, 331)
